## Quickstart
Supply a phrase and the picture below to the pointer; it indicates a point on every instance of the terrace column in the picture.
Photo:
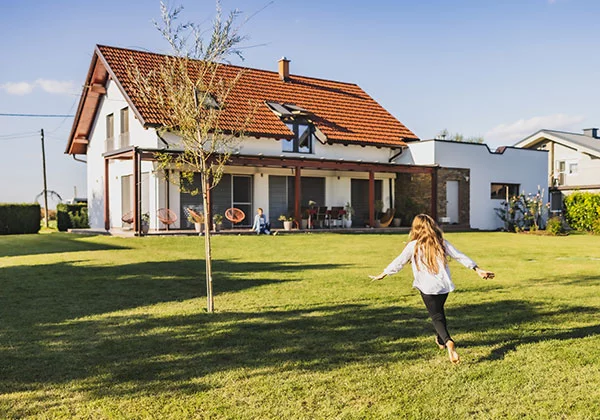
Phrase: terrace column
(136, 193)
(106, 202)
(371, 198)
(297, 187)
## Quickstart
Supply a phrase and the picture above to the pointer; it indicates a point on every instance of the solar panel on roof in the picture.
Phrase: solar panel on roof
(295, 109)
(279, 109)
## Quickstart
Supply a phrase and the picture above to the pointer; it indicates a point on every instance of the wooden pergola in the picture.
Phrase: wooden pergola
(137, 155)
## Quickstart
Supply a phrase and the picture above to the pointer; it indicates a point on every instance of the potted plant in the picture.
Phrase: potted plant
(218, 221)
(145, 223)
(287, 221)
(349, 211)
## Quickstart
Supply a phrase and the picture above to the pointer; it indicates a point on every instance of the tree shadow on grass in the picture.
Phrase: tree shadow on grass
(66, 290)
(18, 245)
(127, 355)
(511, 323)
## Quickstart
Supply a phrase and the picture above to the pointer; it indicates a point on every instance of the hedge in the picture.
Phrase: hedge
(71, 216)
(582, 211)
(19, 218)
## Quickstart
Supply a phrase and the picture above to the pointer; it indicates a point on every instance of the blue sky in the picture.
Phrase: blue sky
(498, 69)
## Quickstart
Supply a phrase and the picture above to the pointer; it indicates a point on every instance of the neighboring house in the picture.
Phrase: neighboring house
(573, 161)
(481, 180)
(310, 139)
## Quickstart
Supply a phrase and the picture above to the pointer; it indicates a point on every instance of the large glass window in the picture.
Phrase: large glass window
(303, 138)
(124, 127)
(110, 132)
(502, 191)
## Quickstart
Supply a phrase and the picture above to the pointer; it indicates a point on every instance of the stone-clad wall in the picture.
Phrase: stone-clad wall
(413, 194)
(464, 196)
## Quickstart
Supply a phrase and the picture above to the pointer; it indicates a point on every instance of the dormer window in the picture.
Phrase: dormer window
(303, 138)
(297, 119)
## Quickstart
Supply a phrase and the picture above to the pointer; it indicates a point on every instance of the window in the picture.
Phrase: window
(303, 138)
(573, 168)
(501, 191)
(124, 137)
(110, 132)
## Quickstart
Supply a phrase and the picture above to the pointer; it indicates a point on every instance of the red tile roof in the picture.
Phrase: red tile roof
(342, 111)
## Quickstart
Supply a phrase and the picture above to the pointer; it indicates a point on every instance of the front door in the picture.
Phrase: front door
(452, 201)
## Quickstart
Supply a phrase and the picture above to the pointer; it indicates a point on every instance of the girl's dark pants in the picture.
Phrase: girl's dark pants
(435, 307)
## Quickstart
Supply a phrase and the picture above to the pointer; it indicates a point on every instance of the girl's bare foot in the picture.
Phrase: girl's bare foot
(452, 354)
(441, 345)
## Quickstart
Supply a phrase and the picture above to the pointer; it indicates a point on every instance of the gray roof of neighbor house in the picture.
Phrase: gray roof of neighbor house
(583, 143)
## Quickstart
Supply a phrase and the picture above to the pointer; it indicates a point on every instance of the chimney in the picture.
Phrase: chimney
(591, 132)
(284, 69)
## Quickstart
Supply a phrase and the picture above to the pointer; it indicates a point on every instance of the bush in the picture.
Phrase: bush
(19, 218)
(555, 226)
(582, 210)
(79, 220)
(70, 216)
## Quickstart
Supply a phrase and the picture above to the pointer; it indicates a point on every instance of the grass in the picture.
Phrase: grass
(101, 327)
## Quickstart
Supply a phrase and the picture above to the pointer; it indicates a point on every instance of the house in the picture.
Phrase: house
(474, 180)
(309, 139)
(573, 161)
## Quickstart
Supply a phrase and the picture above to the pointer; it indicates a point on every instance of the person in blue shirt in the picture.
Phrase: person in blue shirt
(261, 225)
(428, 253)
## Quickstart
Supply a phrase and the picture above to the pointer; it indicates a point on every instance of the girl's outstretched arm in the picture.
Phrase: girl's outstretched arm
(467, 262)
(396, 265)
(484, 274)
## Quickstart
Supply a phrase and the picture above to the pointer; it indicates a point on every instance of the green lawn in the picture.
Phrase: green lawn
(101, 327)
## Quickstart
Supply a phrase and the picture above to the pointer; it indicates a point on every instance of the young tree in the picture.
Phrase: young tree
(192, 86)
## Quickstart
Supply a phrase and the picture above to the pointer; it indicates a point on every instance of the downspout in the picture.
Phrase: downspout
(79, 160)
(392, 198)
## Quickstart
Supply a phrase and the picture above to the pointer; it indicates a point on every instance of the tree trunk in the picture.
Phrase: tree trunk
(207, 245)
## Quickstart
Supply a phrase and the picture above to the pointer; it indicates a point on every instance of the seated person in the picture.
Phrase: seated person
(260, 223)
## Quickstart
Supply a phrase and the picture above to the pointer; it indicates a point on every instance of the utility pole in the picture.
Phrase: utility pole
(45, 185)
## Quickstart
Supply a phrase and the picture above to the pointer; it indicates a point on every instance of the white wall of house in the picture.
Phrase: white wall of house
(112, 103)
(528, 168)
(580, 168)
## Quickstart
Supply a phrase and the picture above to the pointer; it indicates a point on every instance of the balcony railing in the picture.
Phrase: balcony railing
(109, 144)
(124, 139)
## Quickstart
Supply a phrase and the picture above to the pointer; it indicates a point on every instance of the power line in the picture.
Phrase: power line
(37, 115)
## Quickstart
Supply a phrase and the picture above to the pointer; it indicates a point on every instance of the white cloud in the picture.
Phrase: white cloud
(55, 86)
(19, 88)
(49, 86)
(508, 134)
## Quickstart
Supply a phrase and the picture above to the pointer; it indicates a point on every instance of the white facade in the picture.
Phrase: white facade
(527, 168)
(573, 159)
(154, 188)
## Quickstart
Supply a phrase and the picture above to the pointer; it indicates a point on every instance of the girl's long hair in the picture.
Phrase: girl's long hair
(430, 248)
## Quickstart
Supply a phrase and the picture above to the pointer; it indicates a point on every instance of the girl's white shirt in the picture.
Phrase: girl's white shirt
(426, 282)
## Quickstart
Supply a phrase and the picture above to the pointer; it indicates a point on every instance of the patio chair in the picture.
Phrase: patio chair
(167, 217)
(127, 217)
(335, 217)
(234, 215)
(387, 218)
(321, 217)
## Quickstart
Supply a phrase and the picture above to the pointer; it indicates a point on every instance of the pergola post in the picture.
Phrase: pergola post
(106, 198)
(297, 187)
(136, 193)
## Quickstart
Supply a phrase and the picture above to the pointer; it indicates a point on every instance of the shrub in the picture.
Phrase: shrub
(19, 218)
(581, 210)
(79, 220)
(65, 214)
(555, 226)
